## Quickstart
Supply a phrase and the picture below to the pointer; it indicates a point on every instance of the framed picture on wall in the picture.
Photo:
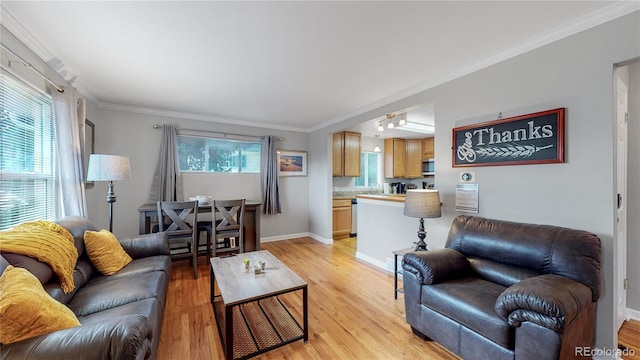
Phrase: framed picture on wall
(536, 138)
(292, 163)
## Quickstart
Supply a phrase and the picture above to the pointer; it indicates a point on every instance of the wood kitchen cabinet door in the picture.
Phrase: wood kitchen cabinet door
(414, 158)
(351, 154)
(395, 157)
(346, 154)
(428, 149)
(338, 154)
(341, 218)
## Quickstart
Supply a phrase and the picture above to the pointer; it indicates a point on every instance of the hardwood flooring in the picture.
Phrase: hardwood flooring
(629, 337)
(352, 313)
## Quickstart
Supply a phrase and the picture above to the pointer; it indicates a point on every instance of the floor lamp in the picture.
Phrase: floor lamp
(109, 168)
(422, 204)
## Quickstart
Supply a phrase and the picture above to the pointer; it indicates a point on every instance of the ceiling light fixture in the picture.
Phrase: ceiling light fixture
(403, 120)
(377, 149)
(390, 125)
(380, 127)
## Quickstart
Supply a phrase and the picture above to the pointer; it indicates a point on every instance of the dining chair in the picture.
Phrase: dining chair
(225, 232)
(174, 223)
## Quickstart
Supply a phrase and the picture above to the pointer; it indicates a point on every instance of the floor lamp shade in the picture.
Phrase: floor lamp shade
(109, 168)
(422, 204)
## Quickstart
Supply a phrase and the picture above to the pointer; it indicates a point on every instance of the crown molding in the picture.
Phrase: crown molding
(22, 34)
(190, 116)
(612, 12)
(34, 45)
(616, 10)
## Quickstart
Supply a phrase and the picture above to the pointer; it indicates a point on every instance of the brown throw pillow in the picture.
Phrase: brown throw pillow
(105, 251)
(27, 310)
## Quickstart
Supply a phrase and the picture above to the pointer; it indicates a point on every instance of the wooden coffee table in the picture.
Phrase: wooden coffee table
(249, 313)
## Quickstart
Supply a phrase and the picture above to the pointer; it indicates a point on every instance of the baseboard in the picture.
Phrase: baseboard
(321, 239)
(375, 262)
(293, 236)
(633, 314)
(283, 237)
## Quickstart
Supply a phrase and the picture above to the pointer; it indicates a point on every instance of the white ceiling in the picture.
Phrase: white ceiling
(288, 65)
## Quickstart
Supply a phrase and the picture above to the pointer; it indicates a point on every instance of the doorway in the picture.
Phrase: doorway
(626, 89)
(622, 117)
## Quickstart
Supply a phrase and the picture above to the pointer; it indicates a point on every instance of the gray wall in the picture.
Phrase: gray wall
(633, 191)
(575, 73)
(132, 134)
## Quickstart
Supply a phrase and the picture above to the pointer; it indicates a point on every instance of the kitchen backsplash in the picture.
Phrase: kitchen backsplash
(353, 193)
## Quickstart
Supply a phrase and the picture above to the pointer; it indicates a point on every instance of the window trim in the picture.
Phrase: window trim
(44, 152)
(380, 171)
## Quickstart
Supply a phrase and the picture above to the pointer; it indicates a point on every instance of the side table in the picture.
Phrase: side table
(397, 271)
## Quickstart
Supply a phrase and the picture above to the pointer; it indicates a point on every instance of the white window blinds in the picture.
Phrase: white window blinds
(27, 158)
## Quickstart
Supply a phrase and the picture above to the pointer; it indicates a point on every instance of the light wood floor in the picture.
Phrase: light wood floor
(352, 313)
(629, 336)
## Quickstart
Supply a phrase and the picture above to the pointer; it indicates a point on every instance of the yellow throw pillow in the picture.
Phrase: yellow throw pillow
(27, 310)
(105, 251)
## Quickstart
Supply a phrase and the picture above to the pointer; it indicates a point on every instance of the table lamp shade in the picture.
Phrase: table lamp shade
(108, 168)
(422, 203)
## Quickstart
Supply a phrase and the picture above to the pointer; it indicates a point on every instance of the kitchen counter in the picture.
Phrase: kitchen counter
(344, 197)
(383, 228)
(340, 195)
(395, 197)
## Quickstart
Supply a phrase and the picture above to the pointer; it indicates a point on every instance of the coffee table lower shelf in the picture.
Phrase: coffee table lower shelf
(258, 326)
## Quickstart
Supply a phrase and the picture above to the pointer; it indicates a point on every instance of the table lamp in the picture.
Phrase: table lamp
(109, 168)
(422, 204)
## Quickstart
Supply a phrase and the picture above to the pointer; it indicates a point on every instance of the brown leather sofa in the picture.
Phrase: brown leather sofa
(121, 314)
(506, 290)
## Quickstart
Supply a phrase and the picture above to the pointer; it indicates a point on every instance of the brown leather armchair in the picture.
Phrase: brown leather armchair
(506, 290)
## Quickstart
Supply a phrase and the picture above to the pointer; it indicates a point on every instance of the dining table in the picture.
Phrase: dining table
(148, 213)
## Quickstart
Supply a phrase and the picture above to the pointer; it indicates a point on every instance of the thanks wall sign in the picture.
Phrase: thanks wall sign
(536, 138)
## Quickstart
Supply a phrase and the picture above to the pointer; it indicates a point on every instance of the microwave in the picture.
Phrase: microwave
(428, 167)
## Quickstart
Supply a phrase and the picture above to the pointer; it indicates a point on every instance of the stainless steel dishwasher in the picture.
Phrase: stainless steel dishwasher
(354, 217)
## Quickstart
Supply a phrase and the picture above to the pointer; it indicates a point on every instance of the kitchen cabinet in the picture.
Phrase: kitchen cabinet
(428, 149)
(414, 158)
(341, 218)
(346, 154)
(395, 157)
(402, 158)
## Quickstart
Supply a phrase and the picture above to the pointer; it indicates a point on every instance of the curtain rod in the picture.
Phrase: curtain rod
(28, 65)
(156, 126)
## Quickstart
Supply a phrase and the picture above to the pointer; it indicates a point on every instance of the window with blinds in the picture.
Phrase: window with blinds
(27, 157)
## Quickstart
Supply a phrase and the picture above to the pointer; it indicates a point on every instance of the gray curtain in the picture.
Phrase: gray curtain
(269, 174)
(167, 182)
(69, 114)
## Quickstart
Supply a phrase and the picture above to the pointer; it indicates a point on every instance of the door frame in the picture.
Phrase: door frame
(620, 201)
